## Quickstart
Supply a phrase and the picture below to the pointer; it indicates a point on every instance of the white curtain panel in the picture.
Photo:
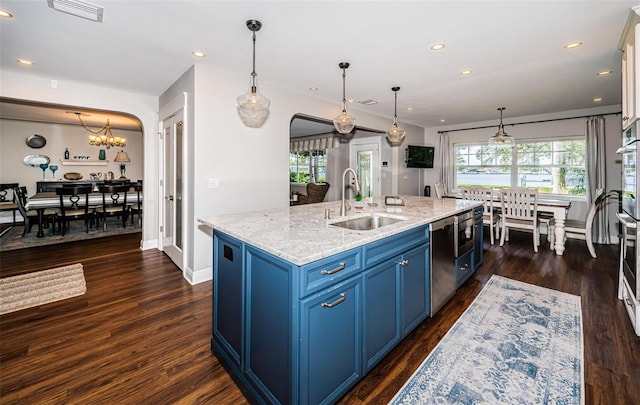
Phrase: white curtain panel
(596, 176)
(446, 174)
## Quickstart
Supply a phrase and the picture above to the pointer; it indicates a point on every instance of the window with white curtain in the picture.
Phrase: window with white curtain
(552, 166)
(308, 166)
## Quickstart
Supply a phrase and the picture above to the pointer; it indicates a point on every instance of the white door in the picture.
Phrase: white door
(172, 229)
(365, 160)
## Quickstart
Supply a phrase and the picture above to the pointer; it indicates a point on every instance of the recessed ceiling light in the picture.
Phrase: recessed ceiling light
(442, 120)
(198, 54)
(313, 88)
(25, 61)
(409, 108)
(604, 73)
(351, 100)
(466, 72)
(437, 47)
(573, 45)
(597, 99)
(5, 14)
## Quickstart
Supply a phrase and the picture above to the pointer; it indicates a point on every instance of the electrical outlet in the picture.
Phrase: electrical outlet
(214, 183)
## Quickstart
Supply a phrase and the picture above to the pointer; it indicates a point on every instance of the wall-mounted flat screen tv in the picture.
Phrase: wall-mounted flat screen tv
(420, 156)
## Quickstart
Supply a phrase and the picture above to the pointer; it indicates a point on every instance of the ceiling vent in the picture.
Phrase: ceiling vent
(367, 101)
(78, 8)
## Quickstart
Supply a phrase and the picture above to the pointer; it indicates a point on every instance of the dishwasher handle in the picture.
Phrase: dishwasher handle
(441, 224)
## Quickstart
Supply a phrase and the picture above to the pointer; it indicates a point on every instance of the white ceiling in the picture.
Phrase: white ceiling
(514, 48)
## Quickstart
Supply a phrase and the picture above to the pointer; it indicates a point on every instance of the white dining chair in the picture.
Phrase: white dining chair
(519, 210)
(440, 190)
(579, 227)
(489, 216)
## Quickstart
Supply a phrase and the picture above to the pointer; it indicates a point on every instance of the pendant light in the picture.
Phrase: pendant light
(501, 138)
(252, 105)
(344, 123)
(395, 135)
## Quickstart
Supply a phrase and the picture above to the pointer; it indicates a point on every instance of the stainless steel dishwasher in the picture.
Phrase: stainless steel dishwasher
(443, 262)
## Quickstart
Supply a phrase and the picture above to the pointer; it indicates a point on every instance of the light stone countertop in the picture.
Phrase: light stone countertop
(300, 234)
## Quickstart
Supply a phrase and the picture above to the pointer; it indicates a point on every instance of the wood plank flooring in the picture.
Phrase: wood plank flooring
(141, 333)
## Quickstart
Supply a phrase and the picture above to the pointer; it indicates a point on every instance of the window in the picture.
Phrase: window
(551, 166)
(308, 167)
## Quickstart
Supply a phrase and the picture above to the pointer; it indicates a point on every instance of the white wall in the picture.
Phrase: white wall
(251, 164)
(71, 93)
(13, 149)
(613, 131)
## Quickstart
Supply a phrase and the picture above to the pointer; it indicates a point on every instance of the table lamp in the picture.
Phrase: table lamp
(121, 158)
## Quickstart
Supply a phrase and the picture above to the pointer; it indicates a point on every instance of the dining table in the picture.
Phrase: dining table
(559, 208)
(49, 199)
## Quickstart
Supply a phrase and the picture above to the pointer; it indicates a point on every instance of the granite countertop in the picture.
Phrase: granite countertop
(301, 235)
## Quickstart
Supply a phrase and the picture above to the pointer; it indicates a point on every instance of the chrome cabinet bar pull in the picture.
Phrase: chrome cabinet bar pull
(343, 296)
(337, 269)
(404, 263)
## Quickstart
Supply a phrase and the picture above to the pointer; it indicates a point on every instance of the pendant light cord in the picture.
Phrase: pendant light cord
(253, 73)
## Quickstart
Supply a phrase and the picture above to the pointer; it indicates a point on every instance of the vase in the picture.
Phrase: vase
(102, 155)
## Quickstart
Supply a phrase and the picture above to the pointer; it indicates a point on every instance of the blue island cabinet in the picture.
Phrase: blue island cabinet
(306, 334)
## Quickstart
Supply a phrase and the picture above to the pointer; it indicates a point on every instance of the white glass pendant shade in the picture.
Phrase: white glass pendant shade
(344, 123)
(501, 138)
(395, 134)
(252, 103)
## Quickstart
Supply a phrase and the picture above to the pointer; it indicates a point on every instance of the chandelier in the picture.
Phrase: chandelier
(103, 136)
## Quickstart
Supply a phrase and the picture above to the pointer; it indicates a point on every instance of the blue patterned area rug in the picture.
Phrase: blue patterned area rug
(516, 344)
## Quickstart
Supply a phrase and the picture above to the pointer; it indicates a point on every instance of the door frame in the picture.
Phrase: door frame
(176, 106)
(376, 164)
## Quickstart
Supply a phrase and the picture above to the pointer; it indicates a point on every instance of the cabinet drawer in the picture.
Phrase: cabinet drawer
(383, 249)
(324, 272)
(464, 267)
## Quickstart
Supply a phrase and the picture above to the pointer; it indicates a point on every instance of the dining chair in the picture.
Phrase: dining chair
(8, 203)
(315, 193)
(489, 215)
(519, 210)
(74, 205)
(440, 190)
(135, 206)
(31, 216)
(579, 227)
(114, 203)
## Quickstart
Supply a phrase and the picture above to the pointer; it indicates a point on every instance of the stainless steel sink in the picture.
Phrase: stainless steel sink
(367, 223)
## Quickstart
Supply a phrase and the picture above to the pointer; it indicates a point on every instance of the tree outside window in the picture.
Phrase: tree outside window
(308, 167)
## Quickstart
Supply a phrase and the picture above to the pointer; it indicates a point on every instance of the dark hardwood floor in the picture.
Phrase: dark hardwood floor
(141, 333)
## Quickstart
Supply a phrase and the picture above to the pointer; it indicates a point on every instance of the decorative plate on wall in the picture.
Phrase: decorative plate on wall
(36, 141)
(35, 160)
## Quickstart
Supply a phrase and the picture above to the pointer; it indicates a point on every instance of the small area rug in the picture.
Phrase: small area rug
(41, 287)
(13, 239)
(516, 344)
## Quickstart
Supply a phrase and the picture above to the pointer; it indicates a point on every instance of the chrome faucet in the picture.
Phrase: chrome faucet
(344, 205)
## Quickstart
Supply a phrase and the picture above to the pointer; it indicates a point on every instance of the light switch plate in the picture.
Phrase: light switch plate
(214, 183)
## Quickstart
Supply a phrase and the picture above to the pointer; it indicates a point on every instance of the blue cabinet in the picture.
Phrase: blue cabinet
(330, 334)
(306, 334)
(396, 300)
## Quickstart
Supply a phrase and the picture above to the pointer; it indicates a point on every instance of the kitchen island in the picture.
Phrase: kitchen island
(302, 309)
